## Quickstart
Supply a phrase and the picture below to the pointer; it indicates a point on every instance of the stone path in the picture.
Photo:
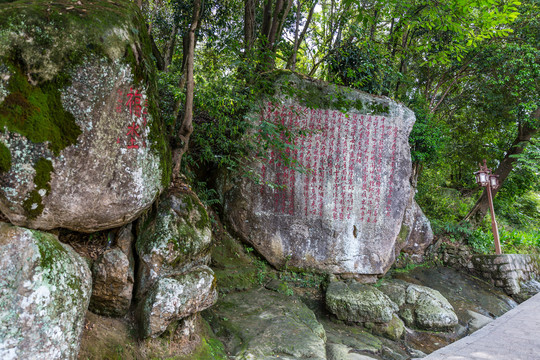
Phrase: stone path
(513, 336)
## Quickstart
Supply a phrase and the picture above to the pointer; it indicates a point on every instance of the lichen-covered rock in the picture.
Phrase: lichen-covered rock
(44, 293)
(430, 310)
(396, 290)
(342, 215)
(81, 143)
(263, 325)
(172, 239)
(359, 303)
(421, 306)
(174, 298)
(113, 277)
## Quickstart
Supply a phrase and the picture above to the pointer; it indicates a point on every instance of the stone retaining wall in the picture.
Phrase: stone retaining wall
(506, 271)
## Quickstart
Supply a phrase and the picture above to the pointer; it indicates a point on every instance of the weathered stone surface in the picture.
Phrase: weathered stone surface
(113, 283)
(430, 310)
(393, 329)
(82, 143)
(44, 293)
(343, 352)
(477, 321)
(263, 325)
(174, 298)
(359, 303)
(416, 233)
(344, 214)
(172, 239)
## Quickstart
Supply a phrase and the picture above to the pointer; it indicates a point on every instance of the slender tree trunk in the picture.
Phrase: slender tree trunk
(526, 132)
(187, 120)
(296, 37)
(169, 49)
(291, 62)
(417, 168)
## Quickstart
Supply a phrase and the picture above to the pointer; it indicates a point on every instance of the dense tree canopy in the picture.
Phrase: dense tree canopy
(470, 70)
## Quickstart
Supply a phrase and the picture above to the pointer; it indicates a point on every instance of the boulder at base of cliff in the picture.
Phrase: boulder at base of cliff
(343, 214)
(359, 303)
(113, 277)
(266, 325)
(173, 246)
(81, 142)
(421, 307)
(44, 293)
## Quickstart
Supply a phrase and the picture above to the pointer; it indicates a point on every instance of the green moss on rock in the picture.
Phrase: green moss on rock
(5, 158)
(33, 204)
(36, 112)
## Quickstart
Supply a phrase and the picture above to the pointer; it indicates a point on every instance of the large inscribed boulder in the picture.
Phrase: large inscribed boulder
(81, 142)
(44, 293)
(344, 213)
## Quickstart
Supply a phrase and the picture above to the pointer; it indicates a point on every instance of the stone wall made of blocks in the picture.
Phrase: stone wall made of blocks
(506, 271)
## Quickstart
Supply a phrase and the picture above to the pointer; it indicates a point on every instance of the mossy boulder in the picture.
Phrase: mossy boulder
(44, 293)
(420, 306)
(81, 143)
(357, 302)
(172, 238)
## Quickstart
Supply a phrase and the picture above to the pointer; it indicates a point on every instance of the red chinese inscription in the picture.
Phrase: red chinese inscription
(133, 103)
(344, 156)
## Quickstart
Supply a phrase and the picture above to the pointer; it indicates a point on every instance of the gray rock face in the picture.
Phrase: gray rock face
(174, 281)
(113, 277)
(88, 152)
(174, 298)
(344, 214)
(359, 303)
(44, 293)
(477, 321)
(262, 325)
(416, 233)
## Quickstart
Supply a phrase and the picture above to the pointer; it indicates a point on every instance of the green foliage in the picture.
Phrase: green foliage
(428, 136)
(512, 241)
(482, 241)
(440, 202)
(364, 67)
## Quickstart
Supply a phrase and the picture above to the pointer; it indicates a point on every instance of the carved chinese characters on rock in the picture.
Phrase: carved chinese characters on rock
(349, 158)
(135, 104)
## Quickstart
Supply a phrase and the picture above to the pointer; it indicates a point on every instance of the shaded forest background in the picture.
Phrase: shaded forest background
(470, 70)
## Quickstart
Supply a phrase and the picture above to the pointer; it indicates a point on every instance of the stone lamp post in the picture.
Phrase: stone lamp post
(490, 181)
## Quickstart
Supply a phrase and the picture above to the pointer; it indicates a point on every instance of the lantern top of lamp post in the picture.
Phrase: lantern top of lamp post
(482, 176)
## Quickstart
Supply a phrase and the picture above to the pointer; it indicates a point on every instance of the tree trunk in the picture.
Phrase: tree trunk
(160, 63)
(187, 120)
(169, 49)
(249, 25)
(296, 37)
(291, 62)
(526, 132)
